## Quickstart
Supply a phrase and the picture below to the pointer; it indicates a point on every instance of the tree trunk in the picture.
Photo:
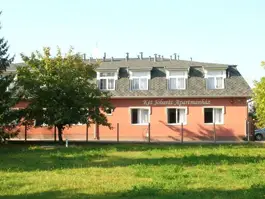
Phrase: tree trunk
(60, 133)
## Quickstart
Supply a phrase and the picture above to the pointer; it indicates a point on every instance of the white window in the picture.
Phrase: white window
(214, 115)
(177, 115)
(215, 79)
(109, 111)
(107, 80)
(139, 80)
(176, 83)
(10, 87)
(140, 116)
(12, 84)
(78, 124)
(176, 79)
(39, 123)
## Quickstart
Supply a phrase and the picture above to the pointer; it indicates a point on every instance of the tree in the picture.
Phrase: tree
(8, 94)
(62, 91)
(259, 98)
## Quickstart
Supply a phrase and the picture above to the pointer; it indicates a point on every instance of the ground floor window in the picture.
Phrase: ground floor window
(213, 115)
(39, 123)
(109, 111)
(140, 115)
(176, 115)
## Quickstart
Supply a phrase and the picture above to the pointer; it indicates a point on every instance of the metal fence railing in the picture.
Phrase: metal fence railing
(139, 133)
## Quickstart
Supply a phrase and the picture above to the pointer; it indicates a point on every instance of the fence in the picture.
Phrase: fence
(139, 133)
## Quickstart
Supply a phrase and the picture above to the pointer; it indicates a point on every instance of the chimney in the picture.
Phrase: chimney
(141, 55)
(190, 58)
(170, 57)
(90, 59)
(104, 57)
(162, 58)
(138, 56)
(127, 56)
(149, 58)
(111, 59)
(178, 57)
(175, 56)
(155, 58)
(84, 56)
(159, 57)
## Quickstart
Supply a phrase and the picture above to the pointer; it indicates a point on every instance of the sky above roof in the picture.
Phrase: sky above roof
(222, 31)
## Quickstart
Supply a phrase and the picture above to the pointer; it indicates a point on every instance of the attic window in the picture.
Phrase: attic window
(176, 80)
(139, 80)
(215, 79)
(106, 80)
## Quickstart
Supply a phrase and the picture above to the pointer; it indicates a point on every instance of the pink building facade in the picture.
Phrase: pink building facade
(164, 100)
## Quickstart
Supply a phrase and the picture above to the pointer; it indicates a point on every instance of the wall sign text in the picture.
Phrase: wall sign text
(159, 102)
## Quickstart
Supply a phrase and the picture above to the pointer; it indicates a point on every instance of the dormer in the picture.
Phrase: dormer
(177, 78)
(139, 78)
(106, 79)
(215, 77)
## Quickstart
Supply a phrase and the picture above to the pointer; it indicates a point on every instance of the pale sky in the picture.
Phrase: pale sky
(222, 31)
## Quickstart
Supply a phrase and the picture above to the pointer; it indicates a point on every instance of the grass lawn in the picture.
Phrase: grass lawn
(133, 171)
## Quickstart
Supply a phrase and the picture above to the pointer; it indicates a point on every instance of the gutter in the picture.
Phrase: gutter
(178, 97)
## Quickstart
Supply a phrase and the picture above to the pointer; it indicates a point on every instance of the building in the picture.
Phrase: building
(167, 97)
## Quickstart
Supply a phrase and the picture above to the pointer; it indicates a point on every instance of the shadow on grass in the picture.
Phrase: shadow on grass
(49, 158)
(142, 192)
(191, 160)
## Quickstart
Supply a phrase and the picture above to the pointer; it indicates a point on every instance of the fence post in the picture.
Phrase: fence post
(86, 132)
(214, 131)
(26, 134)
(149, 136)
(248, 129)
(54, 133)
(118, 132)
(182, 133)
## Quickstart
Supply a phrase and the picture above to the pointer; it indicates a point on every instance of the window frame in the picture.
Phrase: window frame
(221, 75)
(12, 84)
(39, 126)
(78, 124)
(107, 78)
(140, 107)
(180, 74)
(139, 78)
(107, 83)
(111, 111)
(147, 76)
(176, 77)
(214, 107)
(215, 82)
(177, 107)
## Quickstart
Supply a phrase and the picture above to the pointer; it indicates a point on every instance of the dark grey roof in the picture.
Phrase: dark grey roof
(145, 63)
(13, 67)
(235, 85)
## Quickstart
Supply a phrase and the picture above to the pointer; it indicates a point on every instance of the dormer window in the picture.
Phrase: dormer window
(215, 79)
(139, 80)
(12, 84)
(176, 80)
(106, 80)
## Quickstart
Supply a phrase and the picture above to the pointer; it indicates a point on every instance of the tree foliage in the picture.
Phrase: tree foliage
(263, 63)
(259, 98)
(61, 90)
(8, 94)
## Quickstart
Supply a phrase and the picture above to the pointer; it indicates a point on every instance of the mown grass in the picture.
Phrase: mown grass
(132, 171)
